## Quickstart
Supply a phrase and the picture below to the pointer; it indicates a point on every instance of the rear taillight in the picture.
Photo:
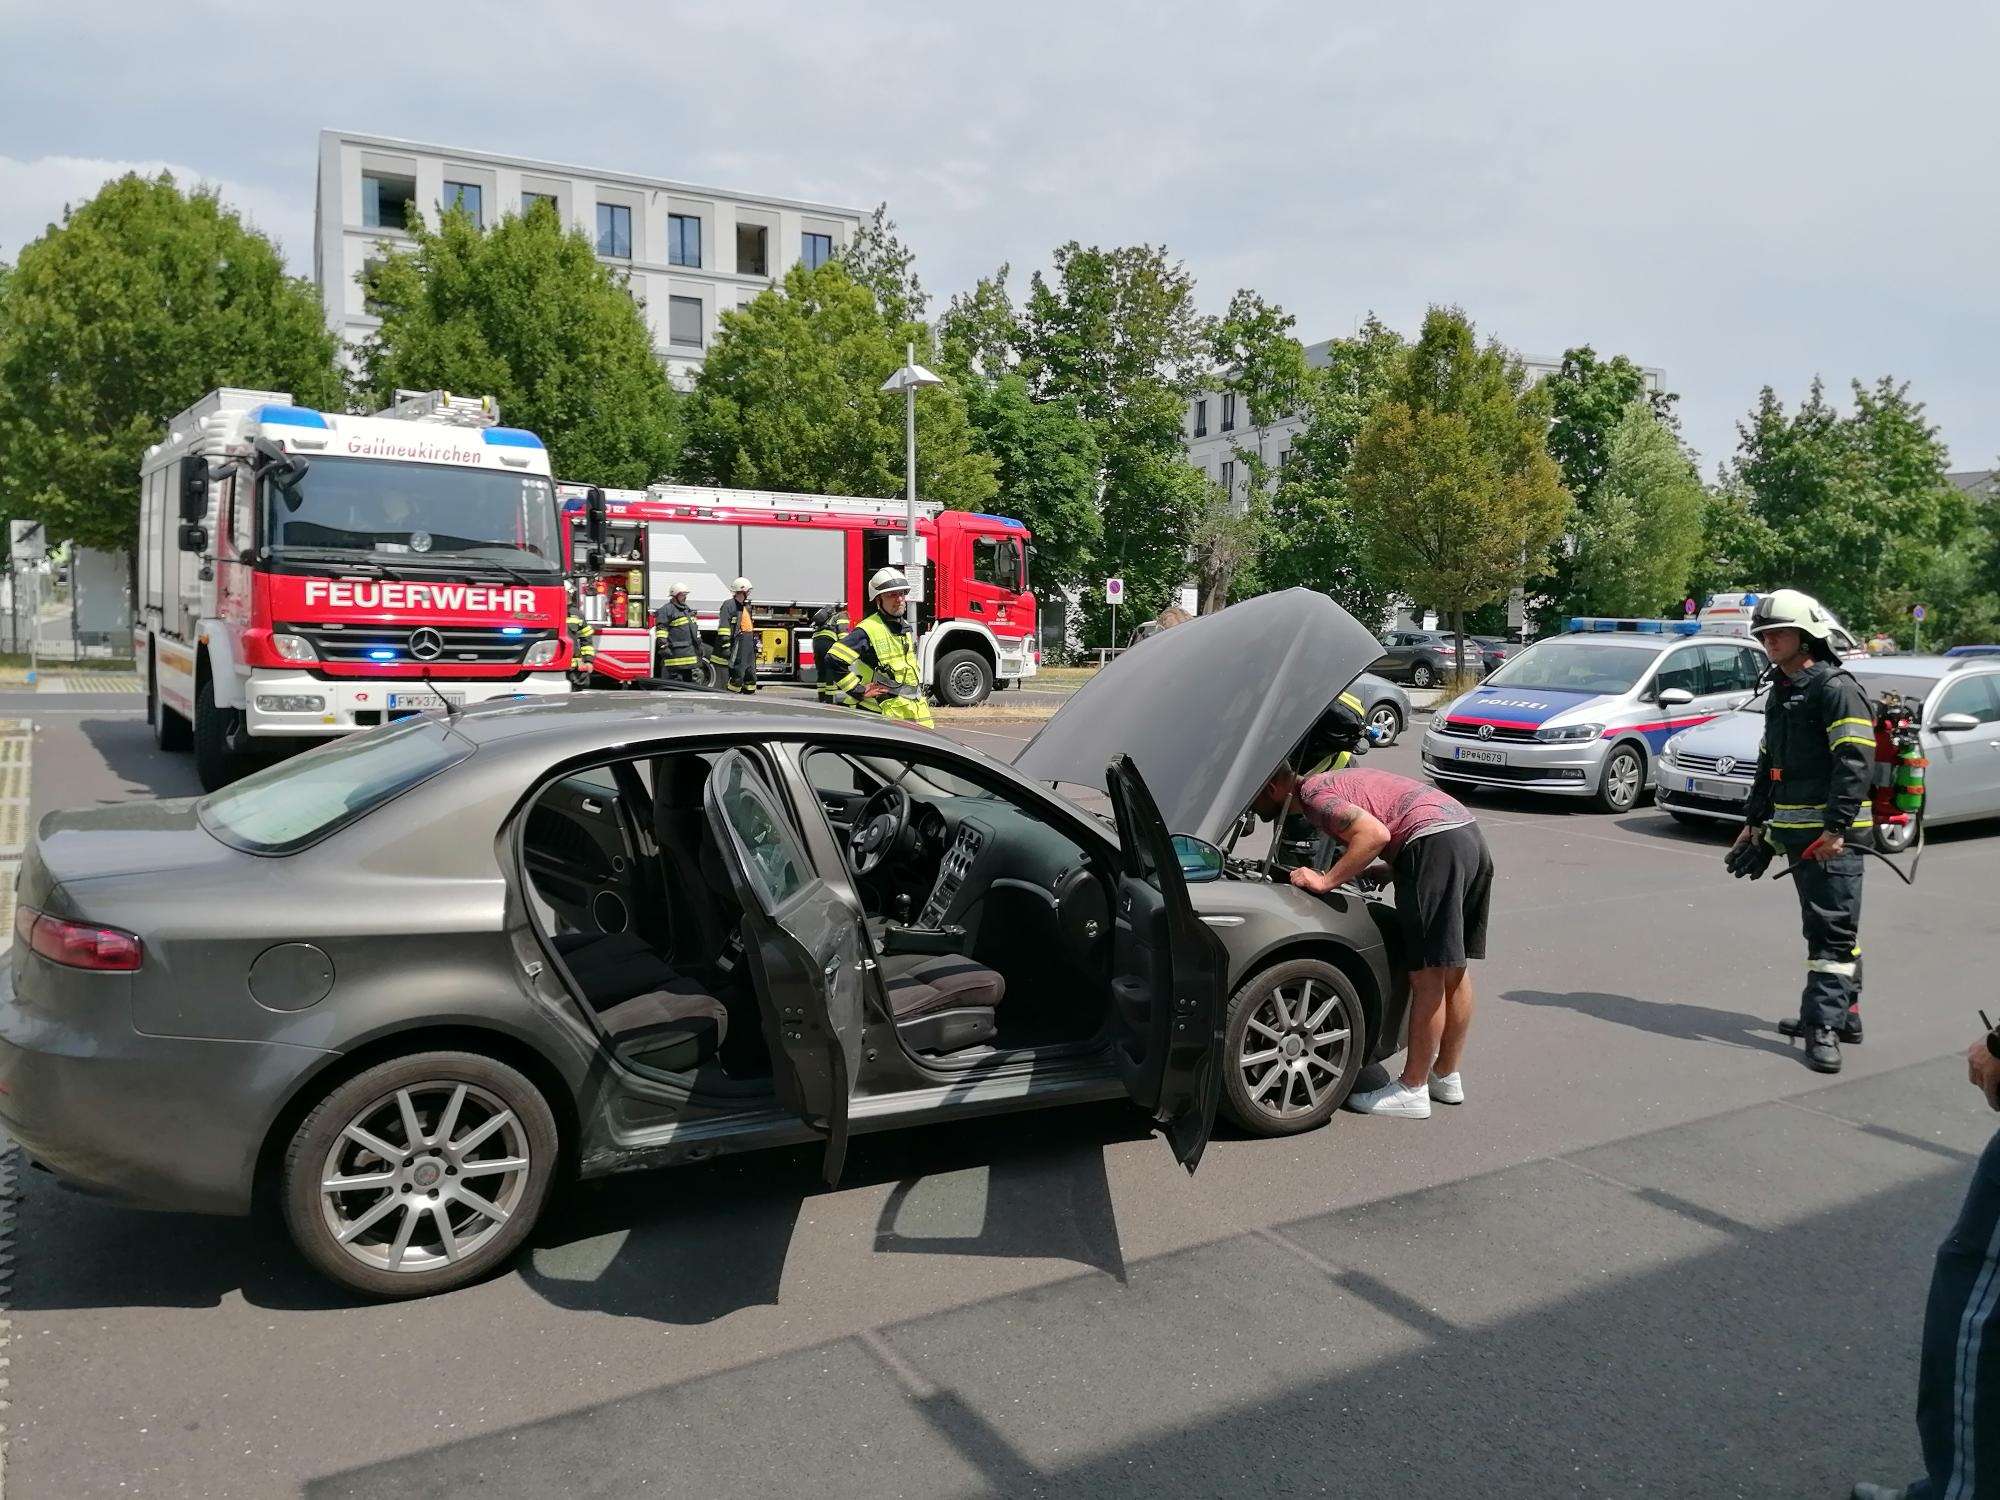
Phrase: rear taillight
(77, 945)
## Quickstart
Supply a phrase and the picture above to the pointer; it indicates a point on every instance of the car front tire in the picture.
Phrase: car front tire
(1388, 722)
(1624, 779)
(1894, 838)
(1293, 1040)
(420, 1174)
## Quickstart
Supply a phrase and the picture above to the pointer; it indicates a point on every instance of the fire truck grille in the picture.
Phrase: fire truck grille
(425, 645)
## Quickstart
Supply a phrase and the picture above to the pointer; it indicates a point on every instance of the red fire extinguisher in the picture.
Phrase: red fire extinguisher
(618, 600)
(1898, 790)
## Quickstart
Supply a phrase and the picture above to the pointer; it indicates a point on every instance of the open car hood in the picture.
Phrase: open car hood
(1208, 709)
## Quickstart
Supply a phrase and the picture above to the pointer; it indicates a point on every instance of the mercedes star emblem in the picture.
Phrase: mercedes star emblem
(426, 644)
(420, 541)
(1486, 731)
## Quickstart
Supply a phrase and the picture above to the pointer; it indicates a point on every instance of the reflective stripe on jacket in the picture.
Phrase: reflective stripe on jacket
(876, 652)
(734, 617)
(679, 636)
(1818, 756)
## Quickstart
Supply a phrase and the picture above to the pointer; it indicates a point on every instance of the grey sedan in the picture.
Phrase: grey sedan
(393, 986)
(1705, 773)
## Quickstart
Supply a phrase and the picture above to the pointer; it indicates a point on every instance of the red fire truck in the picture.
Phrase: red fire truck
(801, 553)
(305, 573)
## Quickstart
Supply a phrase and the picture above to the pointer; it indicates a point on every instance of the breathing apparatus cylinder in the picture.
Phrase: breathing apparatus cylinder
(1898, 792)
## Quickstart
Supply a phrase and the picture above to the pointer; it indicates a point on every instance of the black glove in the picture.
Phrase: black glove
(1750, 859)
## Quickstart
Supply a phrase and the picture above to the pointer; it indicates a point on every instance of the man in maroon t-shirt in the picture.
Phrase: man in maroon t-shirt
(1443, 873)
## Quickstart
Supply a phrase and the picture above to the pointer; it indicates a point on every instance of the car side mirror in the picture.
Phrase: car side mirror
(1675, 697)
(594, 516)
(194, 488)
(593, 559)
(1956, 723)
(193, 538)
(1200, 860)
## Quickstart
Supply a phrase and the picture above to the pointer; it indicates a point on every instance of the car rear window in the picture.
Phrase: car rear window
(300, 801)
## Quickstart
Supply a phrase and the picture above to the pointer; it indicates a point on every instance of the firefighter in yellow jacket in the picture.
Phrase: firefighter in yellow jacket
(878, 658)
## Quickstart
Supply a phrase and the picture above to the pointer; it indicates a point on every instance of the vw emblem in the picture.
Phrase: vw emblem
(426, 644)
(1726, 764)
(420, 541)
(1486, 731)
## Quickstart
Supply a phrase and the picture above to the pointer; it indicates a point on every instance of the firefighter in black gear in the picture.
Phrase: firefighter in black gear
(581, 631)
(830, 625)
(1810, 800)
(736, 636)
(677, 644)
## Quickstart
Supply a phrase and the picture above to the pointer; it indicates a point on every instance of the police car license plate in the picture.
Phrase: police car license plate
(426, 699)
(1481, 757)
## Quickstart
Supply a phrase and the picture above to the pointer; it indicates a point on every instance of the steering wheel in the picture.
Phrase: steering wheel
(878, 828)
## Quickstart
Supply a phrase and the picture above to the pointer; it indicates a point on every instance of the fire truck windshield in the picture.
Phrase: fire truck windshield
(417, 512)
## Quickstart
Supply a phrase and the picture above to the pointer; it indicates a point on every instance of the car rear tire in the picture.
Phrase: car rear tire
(1293, 1040)
(1421, 675)
(1894, 838)
(416, 1210)
(1624, 778)
(1388, 722)
(963, 679)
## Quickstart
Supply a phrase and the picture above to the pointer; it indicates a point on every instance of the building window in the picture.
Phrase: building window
(753, 250)
(1201, 418)
(1284, 462)
(683, 240)
(1229, 411)
(1229, 476)
(815, 250)
(466, 195)
(386, 200)
(614, 230)
(684, 322)
(529, 200)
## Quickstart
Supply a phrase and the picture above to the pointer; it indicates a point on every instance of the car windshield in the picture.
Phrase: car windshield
(419, 511)
(1571, 666)
(300, 801)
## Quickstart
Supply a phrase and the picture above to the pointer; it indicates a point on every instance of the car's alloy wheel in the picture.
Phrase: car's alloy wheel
(1386, 723)
(1624, 778)
(1294, 1038)
(1894, 838)
(420, 1174)
(1421, 675)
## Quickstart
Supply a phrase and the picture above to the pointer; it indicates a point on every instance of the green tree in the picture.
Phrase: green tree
(139, 303)
(879, 260)
(1265, 368)
(1636, 543)
(1454, 490)
(790, 398)
(980, 331)
(1116, 333)
(1047, 462)
(525, 312)
(1855, 505)
(1311, 540)
(1736, 546)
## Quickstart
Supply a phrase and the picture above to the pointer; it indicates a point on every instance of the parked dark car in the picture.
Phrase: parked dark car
(389, 985)
(1496, 650)
(1424, 658)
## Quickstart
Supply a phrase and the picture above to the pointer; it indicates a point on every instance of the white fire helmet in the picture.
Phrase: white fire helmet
(887, 581)
(676, 589)
(1793, 610)
(741, 586)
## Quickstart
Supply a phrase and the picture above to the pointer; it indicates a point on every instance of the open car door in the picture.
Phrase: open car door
(1167, 980)
(806, 950)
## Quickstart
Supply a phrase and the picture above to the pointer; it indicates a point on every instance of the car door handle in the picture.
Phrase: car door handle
(593, 808)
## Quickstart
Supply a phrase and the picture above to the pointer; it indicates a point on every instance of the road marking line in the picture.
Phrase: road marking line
(907, 1375)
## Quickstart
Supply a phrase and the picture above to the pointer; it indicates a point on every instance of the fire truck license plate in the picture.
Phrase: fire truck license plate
(425, 699)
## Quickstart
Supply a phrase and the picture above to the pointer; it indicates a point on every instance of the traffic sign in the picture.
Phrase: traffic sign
(28, 543)
(1917, 613)
(1687, 606)
(1114, 591)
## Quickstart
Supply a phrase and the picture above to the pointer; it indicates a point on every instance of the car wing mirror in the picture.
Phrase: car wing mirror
(1675, 697)
(194, 489)
(1200, 860)
(1955, 723)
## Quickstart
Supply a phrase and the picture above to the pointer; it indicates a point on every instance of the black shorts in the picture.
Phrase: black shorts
(1444, 883)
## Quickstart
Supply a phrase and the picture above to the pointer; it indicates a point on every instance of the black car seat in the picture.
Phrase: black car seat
(676, 1028)
(680, 828)
(942, 1001)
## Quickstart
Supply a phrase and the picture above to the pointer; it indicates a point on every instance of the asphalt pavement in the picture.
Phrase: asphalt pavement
(1651, 1254)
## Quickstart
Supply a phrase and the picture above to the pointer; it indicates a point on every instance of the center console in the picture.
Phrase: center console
(952, 870)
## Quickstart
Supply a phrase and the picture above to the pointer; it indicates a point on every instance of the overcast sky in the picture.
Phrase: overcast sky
(1741, 195)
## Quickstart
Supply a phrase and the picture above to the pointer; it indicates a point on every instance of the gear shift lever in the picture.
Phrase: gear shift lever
(901, 906)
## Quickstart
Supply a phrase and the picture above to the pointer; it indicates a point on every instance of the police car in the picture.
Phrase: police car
(1586, 713)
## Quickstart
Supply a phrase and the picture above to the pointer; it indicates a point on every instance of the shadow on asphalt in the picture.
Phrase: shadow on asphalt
(1669, 1018)
(683, 1245)
(126, 745)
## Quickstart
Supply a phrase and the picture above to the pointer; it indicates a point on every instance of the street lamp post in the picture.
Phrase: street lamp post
(909, 380)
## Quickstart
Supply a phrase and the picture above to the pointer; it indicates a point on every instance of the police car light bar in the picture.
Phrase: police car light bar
(1586, 624)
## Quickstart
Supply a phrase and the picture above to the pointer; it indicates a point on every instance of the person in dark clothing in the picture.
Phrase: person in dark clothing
(830, 626)
(677, 639)
(1811, 794)
(1958, 1375)
(736, 634)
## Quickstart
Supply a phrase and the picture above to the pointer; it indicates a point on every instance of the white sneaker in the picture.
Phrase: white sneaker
(1448, 1089)
(1394, 1098)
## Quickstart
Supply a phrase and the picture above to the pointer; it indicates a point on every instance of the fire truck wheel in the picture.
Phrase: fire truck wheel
(963, 679)
(170, 730)
(214, 766)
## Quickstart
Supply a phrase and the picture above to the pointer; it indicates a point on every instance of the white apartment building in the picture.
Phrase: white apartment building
(688, 252)
(1217, 426)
